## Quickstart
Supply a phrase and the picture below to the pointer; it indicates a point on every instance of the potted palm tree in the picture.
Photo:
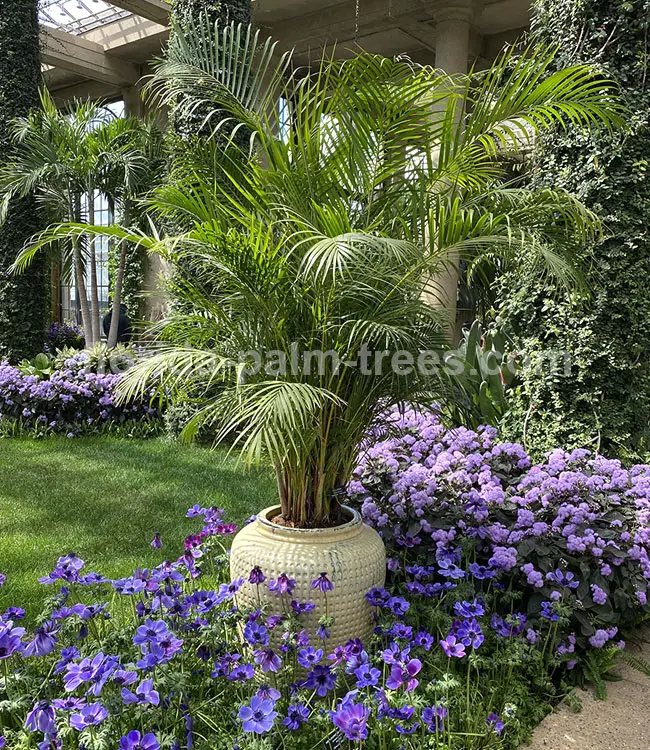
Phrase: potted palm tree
(308, 266)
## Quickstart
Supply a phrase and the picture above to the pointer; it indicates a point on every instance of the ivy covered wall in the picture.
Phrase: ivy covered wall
(605, 401)
(24, 298)
(187, 124)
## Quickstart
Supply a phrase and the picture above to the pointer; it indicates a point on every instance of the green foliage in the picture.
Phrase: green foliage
(42, 366)
(24, 301)
(484, 374)
(184, 14)
(605, 401)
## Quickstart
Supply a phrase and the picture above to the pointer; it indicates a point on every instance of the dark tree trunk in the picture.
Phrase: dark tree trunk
(25, 297)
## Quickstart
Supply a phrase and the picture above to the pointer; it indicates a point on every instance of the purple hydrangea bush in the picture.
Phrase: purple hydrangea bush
(565, 542)
(72, 401)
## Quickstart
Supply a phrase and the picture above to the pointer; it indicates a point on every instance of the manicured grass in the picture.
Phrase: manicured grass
(104, 498)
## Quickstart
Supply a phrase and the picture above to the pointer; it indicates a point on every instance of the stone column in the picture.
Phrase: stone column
(452, 54)
(133, 104)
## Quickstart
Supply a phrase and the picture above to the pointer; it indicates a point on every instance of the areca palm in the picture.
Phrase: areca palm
(65, 158)
(330, 237)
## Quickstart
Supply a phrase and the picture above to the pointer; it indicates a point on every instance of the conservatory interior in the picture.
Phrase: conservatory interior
(324, 374)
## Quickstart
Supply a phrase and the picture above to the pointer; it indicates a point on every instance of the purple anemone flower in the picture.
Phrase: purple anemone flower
(352, 720)
(89, 716)
(321, 680)
(44, 641)
(156, 542)
(434, 717)
(282, 585)
(495, 723)
(9, 639)
(144, 693)
(322, 583)
(256, 576)
(268, 660)
(258, 716)
(297, 714)
(41, 719)
(404, 675)
(453, 647)
(135, 741)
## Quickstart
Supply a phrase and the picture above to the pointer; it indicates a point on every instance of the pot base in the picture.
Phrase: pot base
(352, 555)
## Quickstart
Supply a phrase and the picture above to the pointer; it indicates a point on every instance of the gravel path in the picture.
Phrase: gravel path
(622, 722)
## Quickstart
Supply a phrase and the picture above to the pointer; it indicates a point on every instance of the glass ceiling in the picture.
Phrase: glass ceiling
(78, 16)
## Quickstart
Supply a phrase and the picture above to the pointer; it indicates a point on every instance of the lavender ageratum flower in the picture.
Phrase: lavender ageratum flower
(321, 680)
(10, 639)
(89, 716)
(256, 576)
(258, 716)
(404, 675)
(282, 585)
(322, 583)
(352, 720)
(598, 595)
(434, 717)
(136, 741)
(41, 719)
(297, 714)
(495, 723)
(453, 647)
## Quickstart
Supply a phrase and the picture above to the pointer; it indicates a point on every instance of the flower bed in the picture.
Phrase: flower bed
(72, 401)
(507, 582)
(566, 542)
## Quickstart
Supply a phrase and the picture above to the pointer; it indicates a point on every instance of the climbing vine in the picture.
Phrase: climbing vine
(24, 298)
(604, 402)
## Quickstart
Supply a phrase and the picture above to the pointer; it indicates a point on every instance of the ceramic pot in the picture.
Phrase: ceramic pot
(352, 555)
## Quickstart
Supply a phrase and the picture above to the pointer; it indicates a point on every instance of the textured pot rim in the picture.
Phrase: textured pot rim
(347, 530)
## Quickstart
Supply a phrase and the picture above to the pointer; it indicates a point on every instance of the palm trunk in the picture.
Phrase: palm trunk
(94, 289)
(80, 281)
(117, 298)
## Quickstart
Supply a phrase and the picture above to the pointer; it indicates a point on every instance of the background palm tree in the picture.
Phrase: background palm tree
(66, 157)
(328, 237)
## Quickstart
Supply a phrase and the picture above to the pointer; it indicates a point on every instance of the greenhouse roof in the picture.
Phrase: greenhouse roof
(79, 16)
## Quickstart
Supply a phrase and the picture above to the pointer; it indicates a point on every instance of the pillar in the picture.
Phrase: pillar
(452, 54)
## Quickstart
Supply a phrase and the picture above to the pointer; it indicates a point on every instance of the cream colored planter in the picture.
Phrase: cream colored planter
(352, 555)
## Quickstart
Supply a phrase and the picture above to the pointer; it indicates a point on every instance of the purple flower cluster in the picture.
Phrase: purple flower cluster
(566, 535)
(70, 402)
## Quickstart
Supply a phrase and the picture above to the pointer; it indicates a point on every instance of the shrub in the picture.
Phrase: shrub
(71, 401)
(566, 541)
(66, 335)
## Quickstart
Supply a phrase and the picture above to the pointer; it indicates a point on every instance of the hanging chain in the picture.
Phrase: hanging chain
(356, 21)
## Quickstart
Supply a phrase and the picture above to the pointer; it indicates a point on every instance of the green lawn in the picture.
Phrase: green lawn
(104, 498)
